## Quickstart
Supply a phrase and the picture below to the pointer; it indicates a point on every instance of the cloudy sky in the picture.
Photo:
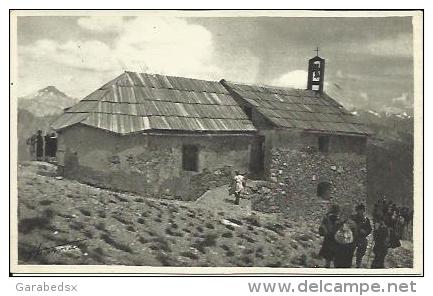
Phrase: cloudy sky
(369, 61)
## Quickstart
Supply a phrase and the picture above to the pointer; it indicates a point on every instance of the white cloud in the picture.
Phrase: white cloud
(165, 45)
(364, 96)
(102, 23)
(296, 79)
(404, 101)
(91, 55)
(402, 98)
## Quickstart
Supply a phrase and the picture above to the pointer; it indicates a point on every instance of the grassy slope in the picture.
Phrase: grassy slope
(126, 229)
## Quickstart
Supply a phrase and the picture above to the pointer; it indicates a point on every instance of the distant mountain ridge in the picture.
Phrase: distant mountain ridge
(46, 101)
(388, 126)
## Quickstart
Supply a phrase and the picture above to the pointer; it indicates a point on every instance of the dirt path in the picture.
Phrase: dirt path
(218, 199)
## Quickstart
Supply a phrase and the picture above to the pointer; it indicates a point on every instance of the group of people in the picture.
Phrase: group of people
(345, 238)
(42, 147)
(398, 218)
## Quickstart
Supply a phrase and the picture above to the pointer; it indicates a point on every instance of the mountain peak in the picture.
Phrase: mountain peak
(46, 101)
(51, 89)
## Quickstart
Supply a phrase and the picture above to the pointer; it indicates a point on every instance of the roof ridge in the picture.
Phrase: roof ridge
(161, 115)
(164, 101)
(112, 81)
(264, 85)
(183, 77)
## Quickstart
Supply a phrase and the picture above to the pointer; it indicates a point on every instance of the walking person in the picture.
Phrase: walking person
(362, 231)
(239, 184)
(329, 226)
(381, 236)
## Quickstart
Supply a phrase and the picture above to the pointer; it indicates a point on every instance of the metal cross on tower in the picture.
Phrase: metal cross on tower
(317, 51)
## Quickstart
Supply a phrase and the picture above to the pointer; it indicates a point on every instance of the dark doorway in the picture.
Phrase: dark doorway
(324, 144)
(190, 158)
(257, 157)
(324, 190)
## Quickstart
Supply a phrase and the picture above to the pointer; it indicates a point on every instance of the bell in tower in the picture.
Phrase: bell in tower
(316, 73)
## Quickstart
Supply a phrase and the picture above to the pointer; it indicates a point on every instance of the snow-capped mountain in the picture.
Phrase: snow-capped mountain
(384, 114)
(46, 101)
(373, 113)
(387, 125)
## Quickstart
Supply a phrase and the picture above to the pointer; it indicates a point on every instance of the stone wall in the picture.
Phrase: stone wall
(151, 164)
(296, 167)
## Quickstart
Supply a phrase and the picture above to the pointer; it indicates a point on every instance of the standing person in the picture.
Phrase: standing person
(47, 145)
(344, 246)
(32, 146)
(405, 216)
(39, 146)
(53, 144)
(362, 230)
(381, 238)
(378, 211)
(394, 231)
(329, 226)
(239, 181)
(410, 223)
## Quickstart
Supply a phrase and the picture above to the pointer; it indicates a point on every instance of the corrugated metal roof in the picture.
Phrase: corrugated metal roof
(135, 102)
(300, 109)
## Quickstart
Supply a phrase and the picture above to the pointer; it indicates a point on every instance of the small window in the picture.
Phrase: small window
(324, 143)
(190, 158)
(324, 190)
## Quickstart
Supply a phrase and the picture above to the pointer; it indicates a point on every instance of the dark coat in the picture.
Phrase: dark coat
(362, 229)
(47, 145)
(381, 237)
(343, 255)
(327, 229)
(39, 146)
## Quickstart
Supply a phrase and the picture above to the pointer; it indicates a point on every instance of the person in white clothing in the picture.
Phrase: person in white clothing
(239, 181)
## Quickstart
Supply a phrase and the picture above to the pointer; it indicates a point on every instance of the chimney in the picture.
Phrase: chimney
(316, 73)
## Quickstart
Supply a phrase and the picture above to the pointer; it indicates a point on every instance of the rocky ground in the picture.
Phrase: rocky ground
(65, 222)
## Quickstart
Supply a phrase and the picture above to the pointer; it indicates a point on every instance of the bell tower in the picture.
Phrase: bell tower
(316, 73)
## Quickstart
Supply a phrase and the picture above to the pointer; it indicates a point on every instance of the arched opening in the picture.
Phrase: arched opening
(324, 190)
